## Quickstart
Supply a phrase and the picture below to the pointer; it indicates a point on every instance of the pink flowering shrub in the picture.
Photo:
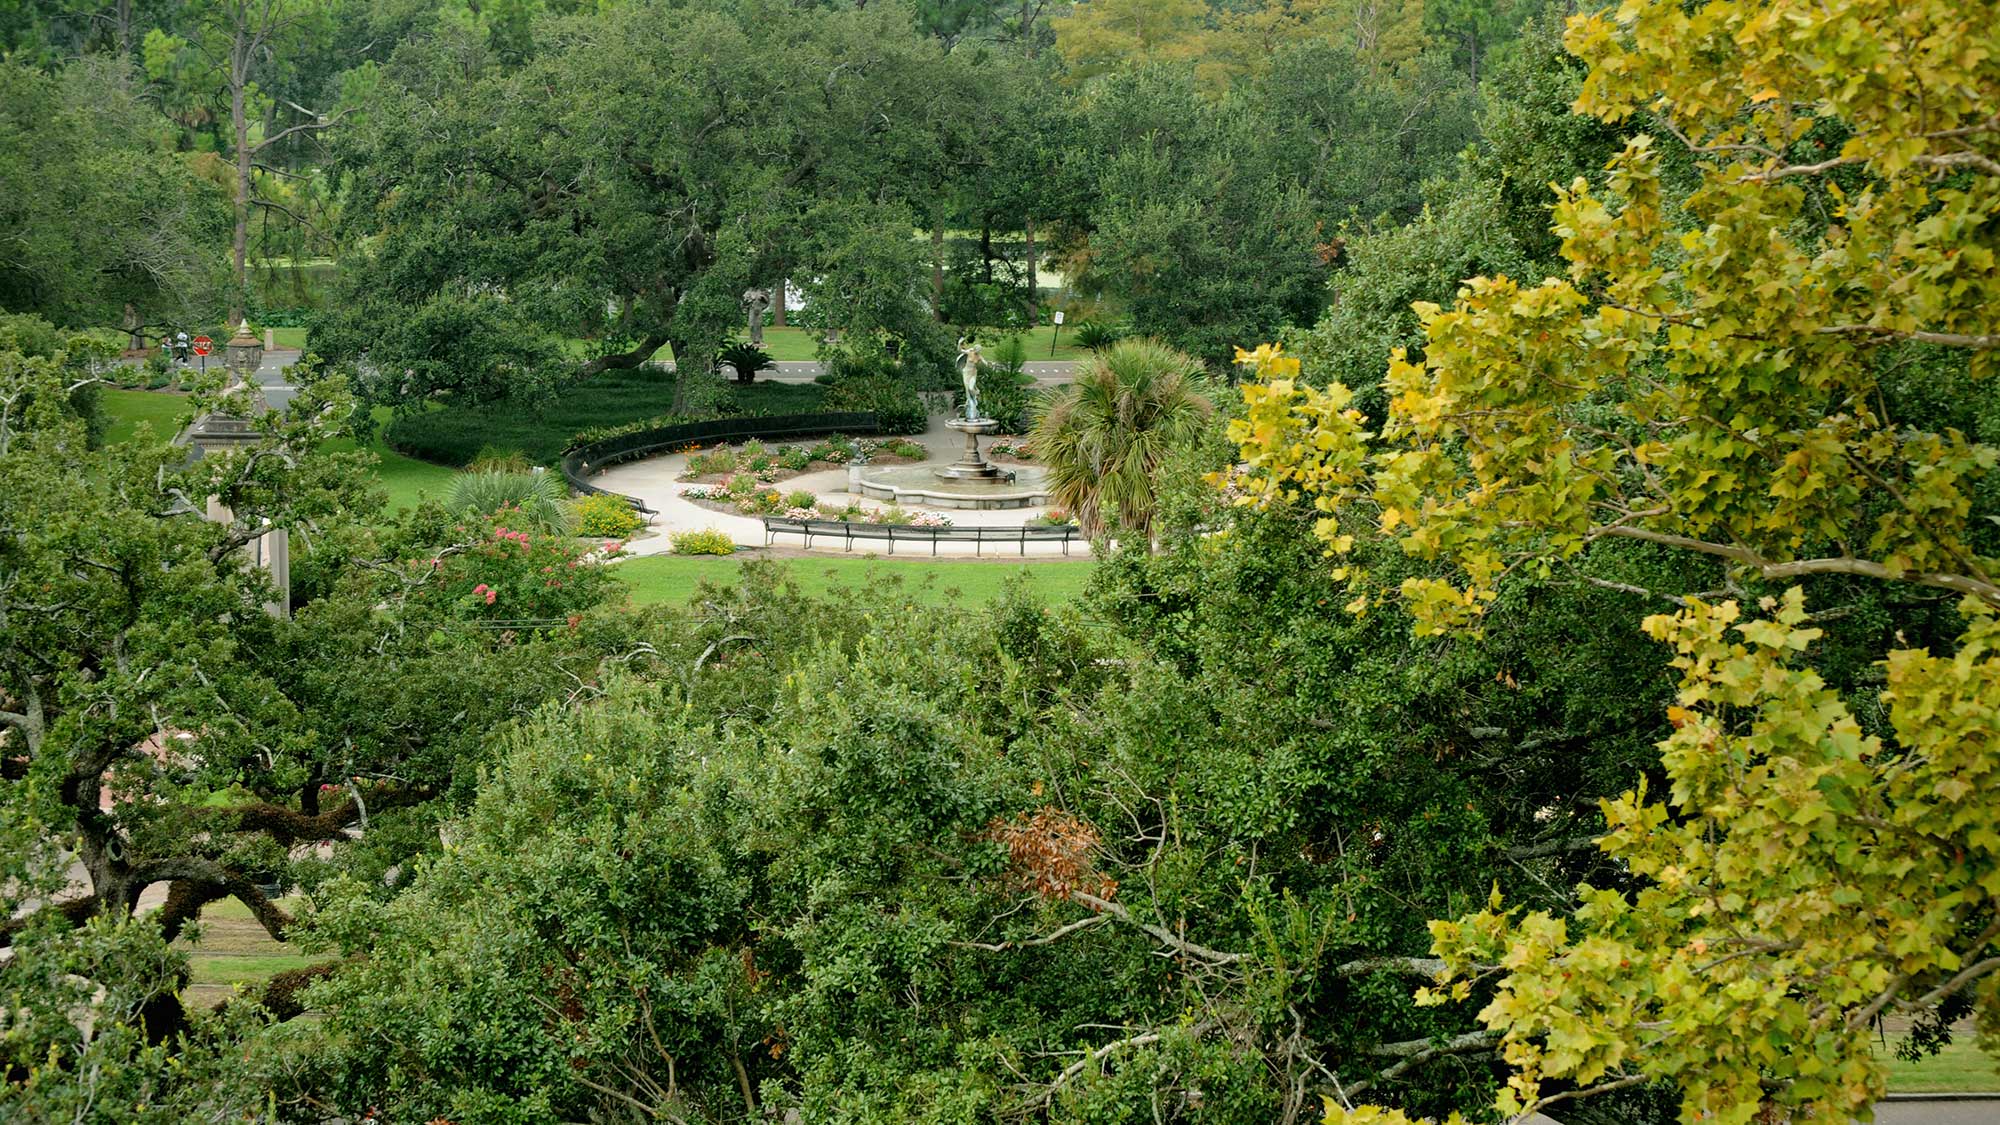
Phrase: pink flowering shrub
(495, 572)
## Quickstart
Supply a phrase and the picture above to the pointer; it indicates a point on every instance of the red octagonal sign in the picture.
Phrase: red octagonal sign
(202, 344)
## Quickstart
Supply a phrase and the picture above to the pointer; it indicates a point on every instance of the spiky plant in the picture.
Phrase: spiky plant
(538, 497)
(1105, 436)
(747, 359)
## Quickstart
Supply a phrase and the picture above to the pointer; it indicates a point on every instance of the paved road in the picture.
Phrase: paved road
(278, 392)
(1985, 1111)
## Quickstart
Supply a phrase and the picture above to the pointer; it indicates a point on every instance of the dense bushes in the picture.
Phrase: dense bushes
(895, 404)
(707, 541)
(533, 500)
(609, 404)
(493, 571)
(605, 513)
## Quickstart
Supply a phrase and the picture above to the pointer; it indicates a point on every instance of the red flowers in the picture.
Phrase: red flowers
(487, 591)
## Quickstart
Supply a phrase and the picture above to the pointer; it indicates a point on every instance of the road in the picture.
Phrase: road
(278, 392)
(1984, 1111)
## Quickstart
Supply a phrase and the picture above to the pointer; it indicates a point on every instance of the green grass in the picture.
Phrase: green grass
(672, 578)
(1037, 341)
(406, 479)
(126, 409)
(228, 969)
(294, 338)
(540, 430)
(1960, 1068)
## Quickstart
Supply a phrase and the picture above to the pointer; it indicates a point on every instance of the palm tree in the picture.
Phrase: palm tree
(1105, 436)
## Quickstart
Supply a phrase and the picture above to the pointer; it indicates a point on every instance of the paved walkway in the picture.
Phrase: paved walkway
(655, 482)
(270, 373)
(1046, 372)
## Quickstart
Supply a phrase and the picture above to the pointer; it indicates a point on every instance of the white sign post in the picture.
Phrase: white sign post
(1057, 333)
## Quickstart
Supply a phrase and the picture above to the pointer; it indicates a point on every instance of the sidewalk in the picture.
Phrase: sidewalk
(654, 481)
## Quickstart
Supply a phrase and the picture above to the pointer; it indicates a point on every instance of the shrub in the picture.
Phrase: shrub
(1054, 517)
(746, 358)
(794, 458)
(506, 573)
(707, 541)
(721, 459)
(1092, 336)
(761, 503)
(497, 459)
(740, 485)
(533, 500)
(800, 498)
(837, 449)
(602, 513)
(891, 399)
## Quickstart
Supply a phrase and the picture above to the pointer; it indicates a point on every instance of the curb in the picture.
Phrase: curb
(1965, 1096)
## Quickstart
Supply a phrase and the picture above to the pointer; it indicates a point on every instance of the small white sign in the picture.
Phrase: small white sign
(1059, 316)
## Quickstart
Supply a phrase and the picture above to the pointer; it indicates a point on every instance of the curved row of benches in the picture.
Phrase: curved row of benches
(579, 464)
(893, 534)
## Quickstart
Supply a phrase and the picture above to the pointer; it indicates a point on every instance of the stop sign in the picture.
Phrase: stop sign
(202, 344)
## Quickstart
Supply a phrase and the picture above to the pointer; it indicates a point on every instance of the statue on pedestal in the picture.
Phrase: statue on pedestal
(968, 374)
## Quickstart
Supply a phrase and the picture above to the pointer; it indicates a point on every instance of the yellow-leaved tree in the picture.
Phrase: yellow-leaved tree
(1729, 371)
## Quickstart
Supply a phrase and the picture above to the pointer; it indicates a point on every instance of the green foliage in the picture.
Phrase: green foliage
(667, 210)
(707, 541)
(498, 459)
(1105, 436)
(1094, 336)
(536, 501)
(893, 401)
(602, 513)
(745, 359)
(801, 498)
(100, 212)
(1718, 377)
(491, 572)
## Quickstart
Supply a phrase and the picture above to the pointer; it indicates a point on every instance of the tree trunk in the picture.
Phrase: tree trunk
(778, 309)
(937, 272)
(239, 121)
(1034, 292)
(986, 250)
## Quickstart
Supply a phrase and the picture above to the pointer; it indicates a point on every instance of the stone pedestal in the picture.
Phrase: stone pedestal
(242, 355)
(972, 466)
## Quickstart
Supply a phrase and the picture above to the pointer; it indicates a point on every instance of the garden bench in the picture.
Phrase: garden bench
(893, 534)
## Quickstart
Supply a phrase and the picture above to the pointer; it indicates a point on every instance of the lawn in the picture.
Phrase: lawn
(126, 409)
(672, 578)
(404, 478)
(541, 430)
(1960, 1068)
(293, 338)
(234, 949)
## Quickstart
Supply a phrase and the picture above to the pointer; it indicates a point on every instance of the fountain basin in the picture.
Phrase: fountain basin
(920, 486)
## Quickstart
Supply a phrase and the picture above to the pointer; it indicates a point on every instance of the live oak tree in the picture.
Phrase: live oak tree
(627, 186)
(1786, 376)
(159, 728)
(99, 215)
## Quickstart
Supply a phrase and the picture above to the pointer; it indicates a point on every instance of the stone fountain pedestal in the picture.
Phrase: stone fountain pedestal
(972, 466)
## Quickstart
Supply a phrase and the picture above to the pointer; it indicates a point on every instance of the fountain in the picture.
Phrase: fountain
(970, 482)
(972, 466)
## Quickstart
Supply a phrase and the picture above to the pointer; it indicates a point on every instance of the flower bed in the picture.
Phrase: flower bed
(758, 501)
(771, 464)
